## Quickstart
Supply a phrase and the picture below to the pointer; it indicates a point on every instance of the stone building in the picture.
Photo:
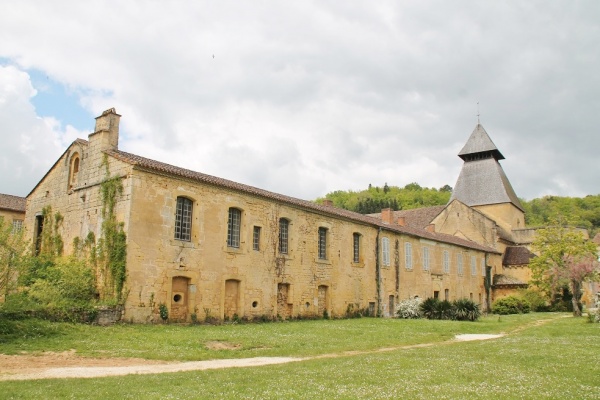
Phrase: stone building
(12, 210)
(205, 245)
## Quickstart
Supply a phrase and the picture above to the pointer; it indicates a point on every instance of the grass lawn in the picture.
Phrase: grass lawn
(558, 359)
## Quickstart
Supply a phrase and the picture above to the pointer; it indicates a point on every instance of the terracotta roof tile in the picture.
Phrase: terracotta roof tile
(517, 255)
(160, 167)
(13, 203)
(417, 217)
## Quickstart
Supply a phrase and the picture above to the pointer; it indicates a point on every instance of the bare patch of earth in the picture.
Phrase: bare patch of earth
(68, 364)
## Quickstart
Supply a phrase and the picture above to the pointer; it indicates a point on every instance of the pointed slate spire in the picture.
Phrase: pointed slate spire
(482, 180)
(480, 146)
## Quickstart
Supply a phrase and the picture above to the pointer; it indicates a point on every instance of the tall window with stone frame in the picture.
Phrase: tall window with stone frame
(183, 219)
(408, 255)
(256, 238)
(426, 261)
(356, 247)
(446, 262)
(385, 251)
(473, 265)
(322, 251)
(483, 267)
(284, 229)
(234, 223)
(459, 263)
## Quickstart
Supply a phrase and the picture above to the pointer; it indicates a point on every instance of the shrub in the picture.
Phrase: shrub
(409, 309)
(433, 308)
(163, 311)
(511, 305)
(466, 310)
(536, 300)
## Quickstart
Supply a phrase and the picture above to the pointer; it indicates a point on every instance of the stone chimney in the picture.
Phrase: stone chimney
(401, 221)
(430, 228)
(328, 203)
(386, 215)
(106, 133)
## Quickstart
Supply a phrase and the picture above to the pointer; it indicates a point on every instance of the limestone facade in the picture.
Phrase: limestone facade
(214, 248)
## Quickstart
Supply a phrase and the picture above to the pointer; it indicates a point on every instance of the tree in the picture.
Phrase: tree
(564, 259)
(13, 250)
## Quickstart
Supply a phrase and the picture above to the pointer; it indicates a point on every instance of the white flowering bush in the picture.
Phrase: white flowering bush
(409, 308)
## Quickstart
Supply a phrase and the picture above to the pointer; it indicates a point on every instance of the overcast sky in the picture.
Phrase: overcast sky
(303, 98)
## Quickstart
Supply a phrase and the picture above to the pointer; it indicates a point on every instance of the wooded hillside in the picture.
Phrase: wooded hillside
(583, 212)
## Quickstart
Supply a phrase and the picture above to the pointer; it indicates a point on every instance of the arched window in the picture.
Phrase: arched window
(73, 170)
(284, 226)
(183, 219)
(233, 227)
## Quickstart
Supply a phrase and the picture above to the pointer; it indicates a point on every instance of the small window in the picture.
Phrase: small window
(408, 255)
(483, 267)
(74, 170)
(233, 227)
(425, 258)
(447, 294)
(322, 243)
(473, 265)
(17, 225)
(356, 247)
(256, 238)
(284, 226)
(183, 219)
(459, 263)
(385, 251)
(446, 262)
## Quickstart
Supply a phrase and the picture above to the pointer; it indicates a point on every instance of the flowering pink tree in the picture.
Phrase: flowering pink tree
(564, 258)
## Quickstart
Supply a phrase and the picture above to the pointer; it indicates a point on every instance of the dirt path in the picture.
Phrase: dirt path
(49, 365)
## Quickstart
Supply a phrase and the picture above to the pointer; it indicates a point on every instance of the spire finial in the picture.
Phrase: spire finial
(477, 113)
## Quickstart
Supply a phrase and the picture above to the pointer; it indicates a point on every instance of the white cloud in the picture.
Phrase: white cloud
(305, 98)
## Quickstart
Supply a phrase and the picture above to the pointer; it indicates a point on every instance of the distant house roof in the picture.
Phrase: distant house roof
(12, 203)
(596, 239)
(154, 166)
(417, 217)
(517, 255)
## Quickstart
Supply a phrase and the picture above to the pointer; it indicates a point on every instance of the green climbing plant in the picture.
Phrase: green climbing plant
(112, 247)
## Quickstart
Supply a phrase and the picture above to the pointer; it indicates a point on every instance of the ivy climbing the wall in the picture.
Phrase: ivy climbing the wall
(112, 248)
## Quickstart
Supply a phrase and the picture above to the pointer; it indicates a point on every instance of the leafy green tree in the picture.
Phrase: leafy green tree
(564, 258)
(14, 252)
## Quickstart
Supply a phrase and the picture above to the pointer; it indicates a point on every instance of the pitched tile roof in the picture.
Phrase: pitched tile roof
(13, 203)
(517, 255)
(163, 168)
(507, 280)
(417, 217)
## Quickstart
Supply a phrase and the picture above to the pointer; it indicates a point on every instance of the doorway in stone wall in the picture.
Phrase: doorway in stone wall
(179, 298)
(284, 309)
(322, 300)
(232, 298)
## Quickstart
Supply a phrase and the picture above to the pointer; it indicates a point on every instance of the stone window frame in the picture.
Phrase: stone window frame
(385, 252)
(473, 265)
(459, 264)
(408, 255)
(17, 225)
(234, 227)
(446, 261)
(426, 259)
(322, 243)
(356, 247)
(284, 236)
(483, 267)
(184, 209)
(74, 167)
(256, 231)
